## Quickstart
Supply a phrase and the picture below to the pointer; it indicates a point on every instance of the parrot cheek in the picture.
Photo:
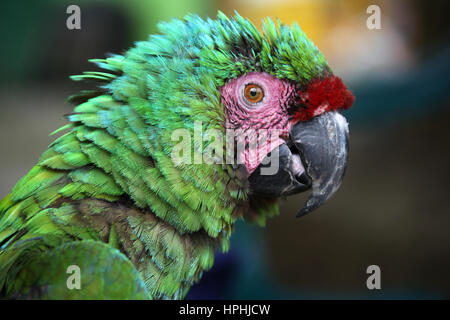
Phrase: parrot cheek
(252, 157)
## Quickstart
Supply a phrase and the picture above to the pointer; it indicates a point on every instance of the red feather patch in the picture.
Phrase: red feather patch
(323, 95)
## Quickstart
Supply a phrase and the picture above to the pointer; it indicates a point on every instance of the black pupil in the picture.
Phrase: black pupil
(253, 92)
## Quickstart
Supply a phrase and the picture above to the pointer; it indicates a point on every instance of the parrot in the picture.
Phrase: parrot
(107, 213)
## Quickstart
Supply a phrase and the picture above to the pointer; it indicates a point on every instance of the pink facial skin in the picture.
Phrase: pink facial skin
(268, 117)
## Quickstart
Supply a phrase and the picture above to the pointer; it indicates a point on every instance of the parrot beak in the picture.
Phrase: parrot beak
(323, 146)
(314, 157)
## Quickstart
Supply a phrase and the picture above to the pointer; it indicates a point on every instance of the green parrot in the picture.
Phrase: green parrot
(107, 212)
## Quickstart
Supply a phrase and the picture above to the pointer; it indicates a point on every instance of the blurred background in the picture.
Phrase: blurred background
(392, 209)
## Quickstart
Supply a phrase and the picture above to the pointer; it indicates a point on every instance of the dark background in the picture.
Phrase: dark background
(392, 209)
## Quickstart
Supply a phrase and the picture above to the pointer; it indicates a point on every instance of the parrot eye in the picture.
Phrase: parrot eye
(253, 93)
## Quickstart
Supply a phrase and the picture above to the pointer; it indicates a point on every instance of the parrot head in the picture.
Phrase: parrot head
(285, 107)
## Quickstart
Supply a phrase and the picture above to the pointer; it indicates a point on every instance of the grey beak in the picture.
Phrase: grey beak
(323, 146)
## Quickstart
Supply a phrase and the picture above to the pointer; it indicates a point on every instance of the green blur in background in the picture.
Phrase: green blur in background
(392, 208)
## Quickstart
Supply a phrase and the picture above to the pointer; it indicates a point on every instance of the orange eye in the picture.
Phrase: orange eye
(253, 93)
